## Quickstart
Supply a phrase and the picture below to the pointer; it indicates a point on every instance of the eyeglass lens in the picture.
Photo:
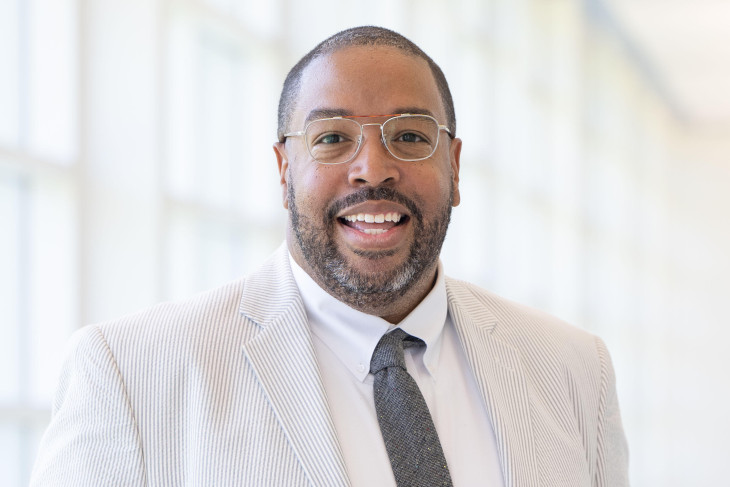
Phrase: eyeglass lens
(336, 140)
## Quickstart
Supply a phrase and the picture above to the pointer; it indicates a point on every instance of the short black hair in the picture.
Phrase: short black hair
(359, 36)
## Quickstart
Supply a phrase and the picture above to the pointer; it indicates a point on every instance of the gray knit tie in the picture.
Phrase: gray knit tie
(408, 431)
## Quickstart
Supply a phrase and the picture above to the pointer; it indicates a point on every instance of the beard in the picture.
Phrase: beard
(361, 289)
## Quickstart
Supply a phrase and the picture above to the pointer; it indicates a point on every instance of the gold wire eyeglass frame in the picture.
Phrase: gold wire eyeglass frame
(391, 116)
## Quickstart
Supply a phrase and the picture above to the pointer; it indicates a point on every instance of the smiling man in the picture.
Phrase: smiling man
(349, 358)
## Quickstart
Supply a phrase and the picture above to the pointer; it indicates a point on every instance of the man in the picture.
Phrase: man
(295, 374)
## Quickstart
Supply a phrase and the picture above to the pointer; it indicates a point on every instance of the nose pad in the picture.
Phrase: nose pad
(376, 135)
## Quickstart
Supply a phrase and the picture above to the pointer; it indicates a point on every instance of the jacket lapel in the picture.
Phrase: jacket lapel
(501, 379)
(283, 359)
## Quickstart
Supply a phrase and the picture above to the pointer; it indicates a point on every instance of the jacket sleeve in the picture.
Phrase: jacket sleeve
(612, 456)
(93, 437)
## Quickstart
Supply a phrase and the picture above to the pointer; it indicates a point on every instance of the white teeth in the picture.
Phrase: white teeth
(371, 218)
(374, 231)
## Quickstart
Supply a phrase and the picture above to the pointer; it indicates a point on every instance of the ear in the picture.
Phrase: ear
(282, 161)
(455, 158)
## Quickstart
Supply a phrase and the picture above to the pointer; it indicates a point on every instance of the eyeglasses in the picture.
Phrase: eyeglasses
(338, 140)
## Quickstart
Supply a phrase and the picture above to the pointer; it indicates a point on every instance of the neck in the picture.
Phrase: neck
(416, 293)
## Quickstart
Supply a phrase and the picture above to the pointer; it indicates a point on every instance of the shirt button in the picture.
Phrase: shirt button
(361, 367)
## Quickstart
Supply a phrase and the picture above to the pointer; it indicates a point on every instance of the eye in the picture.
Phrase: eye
(329, 139)
(410, 137)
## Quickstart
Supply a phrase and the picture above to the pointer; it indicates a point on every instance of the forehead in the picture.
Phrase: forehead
(367, 80)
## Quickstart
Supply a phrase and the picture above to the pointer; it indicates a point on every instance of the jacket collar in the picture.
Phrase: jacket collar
(271, 290)
(283, 360)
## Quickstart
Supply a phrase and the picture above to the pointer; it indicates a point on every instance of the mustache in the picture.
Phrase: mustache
(368, 194)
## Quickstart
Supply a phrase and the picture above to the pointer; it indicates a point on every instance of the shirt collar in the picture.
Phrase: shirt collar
(352, 335)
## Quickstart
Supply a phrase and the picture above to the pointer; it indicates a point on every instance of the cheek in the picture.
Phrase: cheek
(313, 187)
(432, 183)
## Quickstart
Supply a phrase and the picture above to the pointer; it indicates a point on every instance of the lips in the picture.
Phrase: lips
(373, 223)
(374, 217)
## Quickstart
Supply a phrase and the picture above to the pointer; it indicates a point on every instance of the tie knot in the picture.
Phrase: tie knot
(389, 350)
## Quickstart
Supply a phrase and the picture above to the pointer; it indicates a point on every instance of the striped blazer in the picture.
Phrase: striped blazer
(224, 390)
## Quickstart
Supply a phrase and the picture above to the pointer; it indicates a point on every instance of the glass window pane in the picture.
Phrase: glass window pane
(180, 279)
(180, 115)
(255, 176)
(263, 18)
(205, 119)
(9, 72)
(52, 64)
(11, 465)
(12, 206)
(53, 283)
(216, 123)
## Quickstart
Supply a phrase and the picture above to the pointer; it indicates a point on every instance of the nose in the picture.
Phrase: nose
(373, 165)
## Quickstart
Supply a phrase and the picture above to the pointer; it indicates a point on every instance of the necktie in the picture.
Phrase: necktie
(410, 437)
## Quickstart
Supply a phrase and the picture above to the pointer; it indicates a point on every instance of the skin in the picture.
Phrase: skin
(387, 275)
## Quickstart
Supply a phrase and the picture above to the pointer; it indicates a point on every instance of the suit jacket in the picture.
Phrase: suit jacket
(224, 389)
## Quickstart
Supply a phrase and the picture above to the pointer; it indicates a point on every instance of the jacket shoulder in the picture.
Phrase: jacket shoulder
(518, 323)
(551, 350)
(216, 308)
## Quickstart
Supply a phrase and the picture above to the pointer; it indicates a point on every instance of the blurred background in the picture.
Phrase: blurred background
(136, 166)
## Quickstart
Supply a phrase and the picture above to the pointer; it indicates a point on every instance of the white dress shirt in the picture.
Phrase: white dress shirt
(344, 341)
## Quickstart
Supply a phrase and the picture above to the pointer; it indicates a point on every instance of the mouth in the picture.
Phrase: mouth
(379, 219)
(374, 223)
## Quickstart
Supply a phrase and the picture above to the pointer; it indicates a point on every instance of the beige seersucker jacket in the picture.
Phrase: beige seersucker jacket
(223, 390)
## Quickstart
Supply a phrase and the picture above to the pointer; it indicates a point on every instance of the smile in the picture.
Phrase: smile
(369, 218)
(373, 223)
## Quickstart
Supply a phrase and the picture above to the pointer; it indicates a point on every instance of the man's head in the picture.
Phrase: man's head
(368, 230)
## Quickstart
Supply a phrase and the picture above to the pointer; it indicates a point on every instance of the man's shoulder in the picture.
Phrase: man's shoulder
(228, 313)
(513, 320)
(550, 349)
(206, 313)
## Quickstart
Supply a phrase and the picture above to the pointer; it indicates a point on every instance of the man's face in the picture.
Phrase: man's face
(380, 267)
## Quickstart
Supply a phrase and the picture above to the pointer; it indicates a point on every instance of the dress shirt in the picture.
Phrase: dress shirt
(344, 341)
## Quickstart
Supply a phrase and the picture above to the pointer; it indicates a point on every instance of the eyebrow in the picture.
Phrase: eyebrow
(318, 113)
(414, 111)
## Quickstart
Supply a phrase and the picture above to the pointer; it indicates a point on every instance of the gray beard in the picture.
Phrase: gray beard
(367, 290)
